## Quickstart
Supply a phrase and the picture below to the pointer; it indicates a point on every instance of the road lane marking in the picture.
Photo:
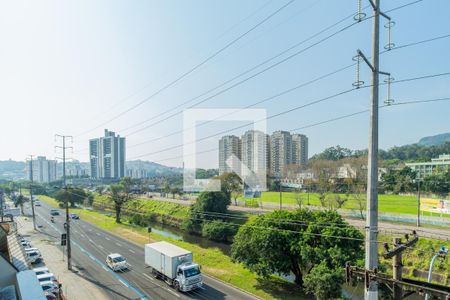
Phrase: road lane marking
(172, 292)
(90, 229)
(132, 288)
(131, 251)
(149, 277)
(118, 244)
(100, 246)
(107, 238)
(97, 233)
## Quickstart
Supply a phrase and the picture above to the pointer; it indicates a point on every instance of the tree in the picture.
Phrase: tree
(100, 189)
(399, 181)
(438, 184)
(298, 198)
(19, 201)
(208, 206)
(296, 241)
(324, 283)
(73, 195)
(120, 193)
(231, 184)
(218, 230)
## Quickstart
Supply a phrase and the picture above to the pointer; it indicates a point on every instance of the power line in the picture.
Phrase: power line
(173, 82)
(253, 68)
(294, 109)
(291, 89)
(325, 122)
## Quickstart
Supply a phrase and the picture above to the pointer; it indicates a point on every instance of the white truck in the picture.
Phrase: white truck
(173, 265)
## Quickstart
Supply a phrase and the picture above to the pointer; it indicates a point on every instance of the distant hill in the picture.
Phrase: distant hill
(15, 170)
(152, 168)
(435, 140)
(12, 170)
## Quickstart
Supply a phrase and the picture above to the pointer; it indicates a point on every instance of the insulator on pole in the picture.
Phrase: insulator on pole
(389, 44)
(360, 15)
(358, 83)
(389, 101)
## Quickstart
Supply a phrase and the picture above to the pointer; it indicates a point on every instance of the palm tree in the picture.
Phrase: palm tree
(19, 201)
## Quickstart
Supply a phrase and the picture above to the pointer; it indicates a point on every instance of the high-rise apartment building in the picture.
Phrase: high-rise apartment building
(299, 150)
(43, 170)
(229, 149)
(254, 152)
(107, 156)
(280, 152)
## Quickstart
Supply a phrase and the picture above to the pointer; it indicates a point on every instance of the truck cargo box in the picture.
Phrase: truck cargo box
(165, 257)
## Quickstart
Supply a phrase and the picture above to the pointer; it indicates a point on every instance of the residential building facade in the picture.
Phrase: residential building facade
(300, 150)
(230, 149)
(280, 152)
(41, 170)
(107, 156)
(425, 169)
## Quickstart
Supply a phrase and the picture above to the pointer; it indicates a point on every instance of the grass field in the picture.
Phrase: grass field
(387, 203)
(213, 261)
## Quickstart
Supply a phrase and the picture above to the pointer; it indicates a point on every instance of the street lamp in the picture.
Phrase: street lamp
(441, 253)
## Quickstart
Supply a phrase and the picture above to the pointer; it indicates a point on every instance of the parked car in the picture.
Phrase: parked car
(54, 212)
(47, 277)
(34, 256)
(25, 243)
(116, 262)
(41, 270)
(74, 216)
(50, 286)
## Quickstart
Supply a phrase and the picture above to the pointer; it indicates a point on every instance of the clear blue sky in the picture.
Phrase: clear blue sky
(66, 67)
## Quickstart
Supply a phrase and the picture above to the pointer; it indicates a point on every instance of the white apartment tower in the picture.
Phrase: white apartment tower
(254, 152)
(229, 147)
(44, 170)
(107, 156)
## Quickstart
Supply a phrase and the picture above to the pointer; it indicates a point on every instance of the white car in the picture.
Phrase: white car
(50, 287)
(25, 243)
(47, 277)
(34, 256)
(41, 270)
(116, 262)
(37, 203)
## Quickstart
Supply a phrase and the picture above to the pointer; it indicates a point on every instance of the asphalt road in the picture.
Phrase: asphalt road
(91, 245)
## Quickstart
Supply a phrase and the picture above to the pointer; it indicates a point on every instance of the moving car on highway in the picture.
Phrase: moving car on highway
(54, 212)
(116, 262)
(74, 216)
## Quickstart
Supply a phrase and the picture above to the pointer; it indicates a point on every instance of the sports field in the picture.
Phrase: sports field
(387, 203)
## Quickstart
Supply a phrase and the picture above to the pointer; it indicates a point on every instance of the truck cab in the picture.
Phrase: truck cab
(188, 277)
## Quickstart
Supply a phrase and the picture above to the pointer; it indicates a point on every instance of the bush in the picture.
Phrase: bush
(324, 283)
(218, 230)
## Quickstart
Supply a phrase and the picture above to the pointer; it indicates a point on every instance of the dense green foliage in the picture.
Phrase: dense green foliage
(324, 283)
(218, 230)
(438, 184)
(208, 206)
(73, 195)
(399, 181)
(206, 173)
(296, 241)
(413, 152)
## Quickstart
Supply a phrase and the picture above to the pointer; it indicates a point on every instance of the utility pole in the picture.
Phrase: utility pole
(281, 197)
(397, 266)
(31, 192)
(418, 202)
(371, 237)
(63, 147)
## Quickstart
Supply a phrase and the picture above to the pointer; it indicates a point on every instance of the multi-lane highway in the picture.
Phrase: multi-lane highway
(91, 245)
